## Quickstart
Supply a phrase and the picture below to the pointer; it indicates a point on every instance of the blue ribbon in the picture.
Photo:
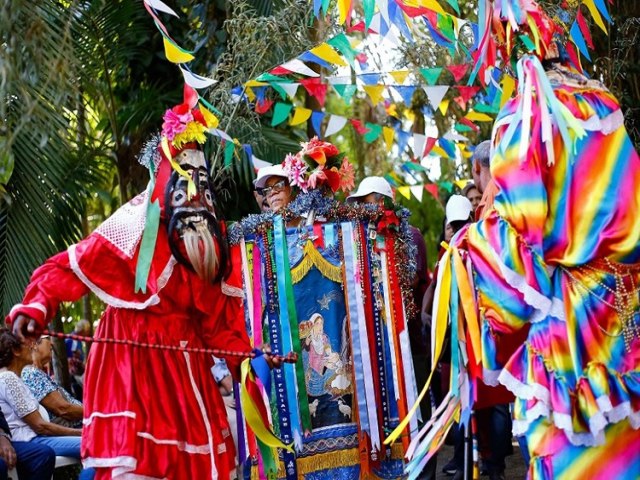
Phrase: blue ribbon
(280, 248)
(350, 289)
(280, 392)
(455, 345)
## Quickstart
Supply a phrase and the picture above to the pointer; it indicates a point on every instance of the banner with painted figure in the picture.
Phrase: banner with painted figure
(334, 292)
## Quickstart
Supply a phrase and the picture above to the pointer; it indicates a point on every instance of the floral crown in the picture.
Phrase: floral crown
(319, 164)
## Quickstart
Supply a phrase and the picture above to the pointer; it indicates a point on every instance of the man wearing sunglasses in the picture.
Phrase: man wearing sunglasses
(273, 185)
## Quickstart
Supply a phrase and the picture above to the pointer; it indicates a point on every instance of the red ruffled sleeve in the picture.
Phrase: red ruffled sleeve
(52, 283)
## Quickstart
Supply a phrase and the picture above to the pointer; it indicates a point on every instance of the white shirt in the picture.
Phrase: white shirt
(16, 402)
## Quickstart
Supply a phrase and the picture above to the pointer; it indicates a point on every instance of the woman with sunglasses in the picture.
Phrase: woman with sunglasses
(20, 408)
(63, 409)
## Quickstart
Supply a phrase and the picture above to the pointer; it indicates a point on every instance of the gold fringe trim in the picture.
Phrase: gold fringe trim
(323, 461)
(340, 458)
(312, 257)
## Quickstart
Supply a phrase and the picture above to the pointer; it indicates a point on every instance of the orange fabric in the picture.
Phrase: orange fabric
(488, 196)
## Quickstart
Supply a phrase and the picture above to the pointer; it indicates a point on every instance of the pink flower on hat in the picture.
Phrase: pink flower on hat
(296, 170)
(175, 121)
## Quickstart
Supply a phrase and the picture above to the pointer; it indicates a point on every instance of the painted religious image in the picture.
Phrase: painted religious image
(327, 373)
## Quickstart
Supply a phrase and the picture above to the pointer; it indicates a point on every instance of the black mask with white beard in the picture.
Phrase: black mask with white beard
(195, 237)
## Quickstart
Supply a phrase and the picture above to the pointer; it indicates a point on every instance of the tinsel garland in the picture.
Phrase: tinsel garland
(324, 205)
(149, 152)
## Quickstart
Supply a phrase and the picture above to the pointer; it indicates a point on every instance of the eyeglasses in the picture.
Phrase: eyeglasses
(43, 337)
(275, 188)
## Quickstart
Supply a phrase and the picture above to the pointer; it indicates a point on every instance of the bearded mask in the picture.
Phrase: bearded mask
(195, 235)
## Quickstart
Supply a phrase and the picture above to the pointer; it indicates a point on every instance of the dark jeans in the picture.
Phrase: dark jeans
(494, 438)
(35, 461)
(495, 444)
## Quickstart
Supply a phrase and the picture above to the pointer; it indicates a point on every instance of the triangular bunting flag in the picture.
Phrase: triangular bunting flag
(328, 54)
(346, 91)
(315, 88)
(437, 150)
(406, 92)
(435, 94)
(280, 113)
(335, 124)
(316, 122)
(431, 141)
(448, 146)
(389, 134)
(595, 14)
(369, 78)
(402, 139)
(418, 191)
(300, 115)
(432, 188)
(296, 66)
(195, 81)
(443, 107)
(343, 45)
(357, 125)
(368, 6)
(467, 92)
(374, 92)
(175, 53)
(478, 117)
(405, 192)
(263, 106)
(584, 28)
(418, 145)
(508, 87)
(458, 71)
(229, 148)
(290, 88)
(469, 124)
(454, 4)
(399, 76)
(373, 133)
(431, 75)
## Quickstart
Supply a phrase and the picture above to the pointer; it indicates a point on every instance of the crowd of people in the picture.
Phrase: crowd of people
(529, 321)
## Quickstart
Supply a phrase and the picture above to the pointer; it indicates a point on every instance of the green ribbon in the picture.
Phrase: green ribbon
(305, 415)
(149, 236)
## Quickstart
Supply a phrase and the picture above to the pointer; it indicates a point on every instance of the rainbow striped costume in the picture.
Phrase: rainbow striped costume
(556, 261)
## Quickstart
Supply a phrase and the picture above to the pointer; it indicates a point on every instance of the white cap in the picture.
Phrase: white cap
(267, 172)
(458, 208)
(372, 185)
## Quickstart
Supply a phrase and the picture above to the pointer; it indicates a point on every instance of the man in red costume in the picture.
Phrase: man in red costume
(149, 412)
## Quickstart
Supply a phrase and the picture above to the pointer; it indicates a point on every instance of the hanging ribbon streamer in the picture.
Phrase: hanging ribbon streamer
(149, 235)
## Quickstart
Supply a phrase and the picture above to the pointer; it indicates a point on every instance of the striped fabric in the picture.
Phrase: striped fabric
(562, 238)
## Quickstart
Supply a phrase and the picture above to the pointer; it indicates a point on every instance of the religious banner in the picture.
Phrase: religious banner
(336, 291)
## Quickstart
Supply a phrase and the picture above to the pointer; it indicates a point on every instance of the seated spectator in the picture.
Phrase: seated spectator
(31, 460)
(20, 408)
(63, 409)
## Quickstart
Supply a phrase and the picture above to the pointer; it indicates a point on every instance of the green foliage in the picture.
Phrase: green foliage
(428, 217)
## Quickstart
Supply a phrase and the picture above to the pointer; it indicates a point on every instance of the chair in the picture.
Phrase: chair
(60, 461)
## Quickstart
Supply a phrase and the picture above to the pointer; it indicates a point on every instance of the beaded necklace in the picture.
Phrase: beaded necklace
(625, 296)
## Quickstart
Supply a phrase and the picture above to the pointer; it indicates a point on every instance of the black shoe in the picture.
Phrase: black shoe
(450, 468)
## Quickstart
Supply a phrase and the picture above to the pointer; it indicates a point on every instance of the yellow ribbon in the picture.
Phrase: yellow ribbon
(191, 186)
(251, 413)
(468, 304)
(441, 329)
